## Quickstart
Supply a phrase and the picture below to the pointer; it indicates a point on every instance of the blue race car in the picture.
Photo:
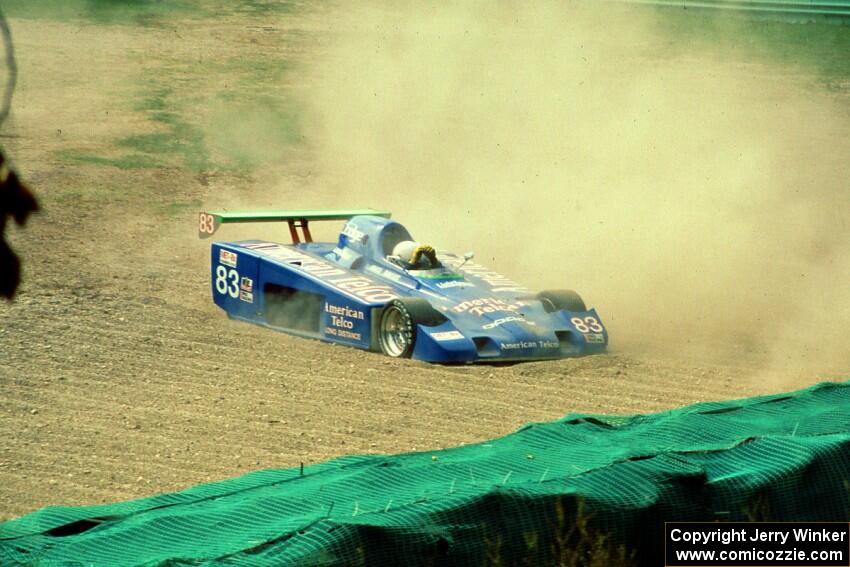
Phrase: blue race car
(378, 289)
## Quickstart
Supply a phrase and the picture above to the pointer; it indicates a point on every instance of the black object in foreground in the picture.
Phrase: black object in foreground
(17, 202)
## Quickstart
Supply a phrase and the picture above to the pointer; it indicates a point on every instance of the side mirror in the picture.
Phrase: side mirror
(466, 258)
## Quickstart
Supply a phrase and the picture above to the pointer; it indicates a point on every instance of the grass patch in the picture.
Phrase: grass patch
(154, 99)
(244, 125)
(243, 73)
(72, 196)
(139, 12)
(247, 133)
(179, 140)
(242, 129)
(262, 72)
(85, 194)
(182, 141)
(177, 208)
(263, 7)
(821, 47)
(130, 161)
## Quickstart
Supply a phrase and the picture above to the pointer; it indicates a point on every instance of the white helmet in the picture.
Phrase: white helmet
(405, 249)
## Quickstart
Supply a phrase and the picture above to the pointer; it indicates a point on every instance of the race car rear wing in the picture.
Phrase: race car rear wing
(208, 223)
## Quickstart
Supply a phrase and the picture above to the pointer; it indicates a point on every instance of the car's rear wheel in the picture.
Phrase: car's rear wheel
(557, 299)
(397, 331)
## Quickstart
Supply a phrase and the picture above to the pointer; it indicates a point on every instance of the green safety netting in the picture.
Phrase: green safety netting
(783, 458)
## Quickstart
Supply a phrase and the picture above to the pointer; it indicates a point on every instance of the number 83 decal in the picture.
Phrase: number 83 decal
(206, 224)
(227, 281)
(587, 325)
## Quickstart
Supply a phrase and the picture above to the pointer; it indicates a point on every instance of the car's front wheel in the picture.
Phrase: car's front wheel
(397, 331)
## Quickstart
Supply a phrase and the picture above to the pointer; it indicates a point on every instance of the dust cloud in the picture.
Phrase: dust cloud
(696, 199)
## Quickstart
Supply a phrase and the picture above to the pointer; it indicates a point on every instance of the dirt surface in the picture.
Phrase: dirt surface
(119, 378)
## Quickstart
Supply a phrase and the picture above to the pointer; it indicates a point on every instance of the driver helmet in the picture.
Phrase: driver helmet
(404, 250)
(415, 256)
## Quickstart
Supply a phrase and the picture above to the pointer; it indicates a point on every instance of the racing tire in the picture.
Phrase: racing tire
(558, 299)
(399, 320)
